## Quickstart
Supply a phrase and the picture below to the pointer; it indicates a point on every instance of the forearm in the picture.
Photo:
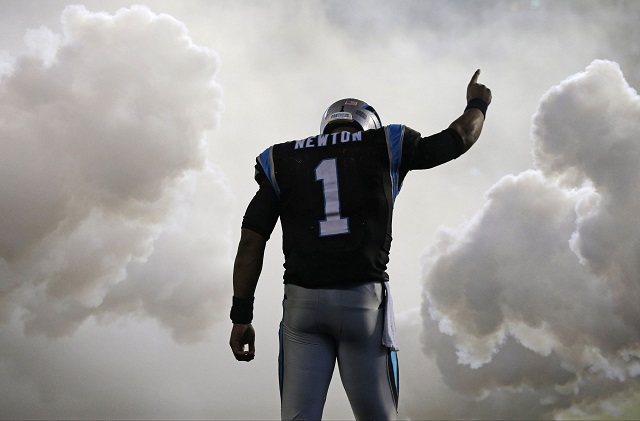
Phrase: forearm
(246, 271)
(469, 126)
(248, 263)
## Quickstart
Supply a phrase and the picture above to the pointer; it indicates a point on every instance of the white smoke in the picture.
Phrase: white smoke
(532, 306)
(157, 251)
(109, 206)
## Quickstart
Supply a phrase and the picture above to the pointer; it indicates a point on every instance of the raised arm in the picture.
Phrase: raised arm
(469, 124)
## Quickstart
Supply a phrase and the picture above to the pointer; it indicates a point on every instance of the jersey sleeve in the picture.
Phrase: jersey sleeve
(427, 152)
(263, 211)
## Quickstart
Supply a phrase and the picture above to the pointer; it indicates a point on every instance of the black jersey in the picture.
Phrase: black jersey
(334, 195)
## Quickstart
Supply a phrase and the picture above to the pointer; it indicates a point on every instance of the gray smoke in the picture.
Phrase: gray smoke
(106, 195)
(531, 307)
(115, 221)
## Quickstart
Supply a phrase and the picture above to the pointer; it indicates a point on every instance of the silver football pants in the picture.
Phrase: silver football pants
(322, 326)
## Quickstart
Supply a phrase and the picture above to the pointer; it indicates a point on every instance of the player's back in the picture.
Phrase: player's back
(336, 201)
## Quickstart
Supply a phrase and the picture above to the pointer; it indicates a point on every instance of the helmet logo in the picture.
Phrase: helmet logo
(341, 115)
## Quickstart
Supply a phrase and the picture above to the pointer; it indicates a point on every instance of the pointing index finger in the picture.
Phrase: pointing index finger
(474, 79)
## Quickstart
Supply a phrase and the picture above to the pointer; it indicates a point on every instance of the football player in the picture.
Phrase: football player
(334, 194)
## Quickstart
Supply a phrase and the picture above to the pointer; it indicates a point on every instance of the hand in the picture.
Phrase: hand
(477, 90)
(242, 335)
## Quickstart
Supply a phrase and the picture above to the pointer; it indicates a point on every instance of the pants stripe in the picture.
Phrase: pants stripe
(394, 375)
(280, 360)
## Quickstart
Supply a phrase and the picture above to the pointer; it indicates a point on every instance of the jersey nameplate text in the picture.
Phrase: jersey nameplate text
(328, 139)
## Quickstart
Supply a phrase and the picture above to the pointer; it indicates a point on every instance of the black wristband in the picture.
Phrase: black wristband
(242, 310)
(478, 103)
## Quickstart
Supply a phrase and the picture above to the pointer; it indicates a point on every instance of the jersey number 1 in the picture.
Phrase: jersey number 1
(334, 224)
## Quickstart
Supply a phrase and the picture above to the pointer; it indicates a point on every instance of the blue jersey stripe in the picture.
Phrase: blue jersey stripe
(395, 133)
(266, 160)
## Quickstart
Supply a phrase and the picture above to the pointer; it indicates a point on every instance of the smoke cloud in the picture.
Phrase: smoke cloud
(531, 307)
(117, 217)
(106, 195)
